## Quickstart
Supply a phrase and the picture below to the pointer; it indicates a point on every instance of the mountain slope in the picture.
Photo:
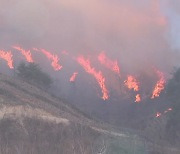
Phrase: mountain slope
(34, 122)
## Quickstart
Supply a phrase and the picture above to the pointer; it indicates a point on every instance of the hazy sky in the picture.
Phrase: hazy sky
(172, 10)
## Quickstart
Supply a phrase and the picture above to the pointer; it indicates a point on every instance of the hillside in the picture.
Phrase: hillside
(34, 122)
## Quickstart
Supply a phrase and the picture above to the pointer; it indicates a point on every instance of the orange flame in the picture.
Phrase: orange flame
(27, 53)
(112, 65)
(54, 58)
(138, 98)
(160, 85)
(73, 77)
(98, 75)
(8, 57)
(132, 83)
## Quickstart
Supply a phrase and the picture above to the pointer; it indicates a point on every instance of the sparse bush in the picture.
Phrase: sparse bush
(33, 74)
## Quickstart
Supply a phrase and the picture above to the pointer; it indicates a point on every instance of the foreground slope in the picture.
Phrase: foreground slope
(35, 122)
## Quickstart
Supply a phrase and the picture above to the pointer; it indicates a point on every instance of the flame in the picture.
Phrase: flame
(98, 75)
(54, 58)
(132, 83)
(8, 57)
(165, 112)
(160, 85)
(73, 77)
(112, 65)
(138, 98)
(158, 114)
(27, 53)
(168, 110)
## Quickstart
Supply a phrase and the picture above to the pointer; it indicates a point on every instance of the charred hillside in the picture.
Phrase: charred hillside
(33, 121)
(89, 77)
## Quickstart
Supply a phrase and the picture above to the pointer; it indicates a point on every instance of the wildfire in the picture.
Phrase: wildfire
(159, 86)
(170, 109)
(112, 65)
(158, 114)
(27, 53)
(8, 57)
(54, 58)
(85, 63)
(73, 77)
(138, 98)
(132, 83)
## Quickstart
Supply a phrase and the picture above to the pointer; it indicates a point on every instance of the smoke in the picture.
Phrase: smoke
(172, 10)
(139, 35)
(133, 33)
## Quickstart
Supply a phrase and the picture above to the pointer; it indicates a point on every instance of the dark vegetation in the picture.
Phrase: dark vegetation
(173, 94)
(33, 74)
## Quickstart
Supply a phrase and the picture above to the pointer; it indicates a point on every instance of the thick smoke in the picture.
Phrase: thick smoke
(140, 35)
(134, 33)
(172, 10)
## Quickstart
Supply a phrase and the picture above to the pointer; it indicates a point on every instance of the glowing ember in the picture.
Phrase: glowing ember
(8, 57)
(98, 75)
(165, 112)
(54, 58)
(73, 77)
(132, 83)
(159, 86)
(112, 65)
(170, 109)
(27, 53)
(158, 114)
(138, 98)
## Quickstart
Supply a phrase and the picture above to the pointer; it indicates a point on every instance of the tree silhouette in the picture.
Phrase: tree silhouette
(33, 74)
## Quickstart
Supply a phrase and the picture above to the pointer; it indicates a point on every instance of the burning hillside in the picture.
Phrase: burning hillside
(110, 59)
(32, 118)
(7, 56)
(27, 107)
(131, 82)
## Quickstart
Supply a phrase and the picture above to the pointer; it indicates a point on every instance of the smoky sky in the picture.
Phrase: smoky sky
(172, 10)
(138, 33)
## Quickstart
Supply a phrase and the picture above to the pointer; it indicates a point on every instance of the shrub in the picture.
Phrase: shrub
(33, 74)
